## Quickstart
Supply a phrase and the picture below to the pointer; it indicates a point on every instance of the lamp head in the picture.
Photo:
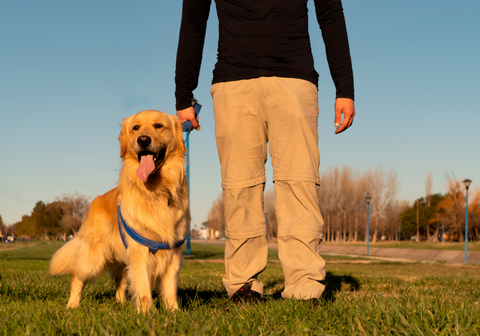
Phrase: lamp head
(467, 183)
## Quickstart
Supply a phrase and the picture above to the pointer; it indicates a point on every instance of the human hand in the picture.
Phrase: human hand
(188, 114)
(345, 106)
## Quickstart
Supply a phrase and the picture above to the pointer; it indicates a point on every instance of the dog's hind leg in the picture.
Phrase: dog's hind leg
(75, 292)
(88, 265)
(168, 285)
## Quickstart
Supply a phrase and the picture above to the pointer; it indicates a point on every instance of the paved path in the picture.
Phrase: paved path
(450, 256)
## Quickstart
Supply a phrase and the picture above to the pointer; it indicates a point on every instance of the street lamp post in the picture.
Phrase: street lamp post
(399, 231)
(467, 183)
(221, 232)
(418, 220)
(368, 199)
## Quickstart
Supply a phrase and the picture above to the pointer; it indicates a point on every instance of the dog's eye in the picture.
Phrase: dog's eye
(136, 127)
(158, 125)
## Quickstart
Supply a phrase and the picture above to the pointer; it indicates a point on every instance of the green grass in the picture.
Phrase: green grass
(360, 299)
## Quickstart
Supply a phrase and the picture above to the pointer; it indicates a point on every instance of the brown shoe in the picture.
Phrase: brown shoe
(246, 294)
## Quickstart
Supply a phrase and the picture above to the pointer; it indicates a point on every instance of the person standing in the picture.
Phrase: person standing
(265, 91)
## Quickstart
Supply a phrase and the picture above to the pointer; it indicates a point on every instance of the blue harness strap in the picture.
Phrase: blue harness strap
(153, 246)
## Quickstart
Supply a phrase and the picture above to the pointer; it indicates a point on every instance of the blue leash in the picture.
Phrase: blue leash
(153, 246)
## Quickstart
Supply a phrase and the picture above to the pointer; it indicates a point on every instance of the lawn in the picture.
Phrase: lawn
(360, 299)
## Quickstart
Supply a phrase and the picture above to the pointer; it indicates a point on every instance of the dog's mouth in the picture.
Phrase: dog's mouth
(149, 162)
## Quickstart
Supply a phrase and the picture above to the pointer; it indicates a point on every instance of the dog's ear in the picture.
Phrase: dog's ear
(123, 138)
(178, 134)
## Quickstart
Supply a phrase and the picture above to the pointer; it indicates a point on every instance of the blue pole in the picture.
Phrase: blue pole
(187, 142)
(399, 231)
(466, 230)
(368, 227)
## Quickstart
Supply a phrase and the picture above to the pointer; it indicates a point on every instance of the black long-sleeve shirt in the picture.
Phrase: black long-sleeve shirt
(262, 38)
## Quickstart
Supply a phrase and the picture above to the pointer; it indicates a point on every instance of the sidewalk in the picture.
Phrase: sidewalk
(449, 256)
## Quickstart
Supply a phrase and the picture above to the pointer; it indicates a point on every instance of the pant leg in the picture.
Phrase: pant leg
(292, 119)
(240, 130)
(246, 247)
(300, 227)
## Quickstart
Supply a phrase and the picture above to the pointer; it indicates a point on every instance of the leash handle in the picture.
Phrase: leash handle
(187, 125)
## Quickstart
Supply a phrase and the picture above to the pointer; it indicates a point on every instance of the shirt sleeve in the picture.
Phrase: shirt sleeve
(331, 19)
(190, 50)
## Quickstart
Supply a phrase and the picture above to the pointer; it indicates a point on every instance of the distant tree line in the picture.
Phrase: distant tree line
(344, 209)
(3, 228)
(342, 203)
(58, 219)
(445, 211)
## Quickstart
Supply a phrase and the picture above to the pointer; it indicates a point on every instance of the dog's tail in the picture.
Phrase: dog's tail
(63, 261)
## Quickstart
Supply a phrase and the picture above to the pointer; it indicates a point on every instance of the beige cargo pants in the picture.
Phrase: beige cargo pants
(284, 113)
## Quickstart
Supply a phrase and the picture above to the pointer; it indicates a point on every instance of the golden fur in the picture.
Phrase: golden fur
(157, 209)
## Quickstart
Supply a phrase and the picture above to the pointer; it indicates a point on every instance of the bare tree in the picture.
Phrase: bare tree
(269, 208)
(329, 199)
(428, 197)
(216, 217)
(324, 199)
(342, 199)
(383, 187)
(345, 200)
(393, 210)
(358, 201)
(75, 207)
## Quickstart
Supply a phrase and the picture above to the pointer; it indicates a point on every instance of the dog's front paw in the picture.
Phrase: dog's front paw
(144, 304)
(72, 305)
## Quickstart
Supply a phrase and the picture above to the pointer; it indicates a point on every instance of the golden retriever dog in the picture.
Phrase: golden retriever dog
(152, 195)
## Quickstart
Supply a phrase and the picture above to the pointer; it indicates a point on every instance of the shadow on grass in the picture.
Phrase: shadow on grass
(192, 297)
(333, 284)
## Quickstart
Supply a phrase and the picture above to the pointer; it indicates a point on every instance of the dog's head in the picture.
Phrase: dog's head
(151, 138)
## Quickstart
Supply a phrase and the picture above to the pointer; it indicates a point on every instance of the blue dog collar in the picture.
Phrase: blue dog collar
(153, 246)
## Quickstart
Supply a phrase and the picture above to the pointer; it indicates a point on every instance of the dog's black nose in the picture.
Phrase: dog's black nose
(144, 141)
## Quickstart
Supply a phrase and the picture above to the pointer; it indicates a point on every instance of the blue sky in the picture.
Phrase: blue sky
(71, 70)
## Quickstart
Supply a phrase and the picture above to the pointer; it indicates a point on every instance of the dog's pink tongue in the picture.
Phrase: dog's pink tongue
(146, 167)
